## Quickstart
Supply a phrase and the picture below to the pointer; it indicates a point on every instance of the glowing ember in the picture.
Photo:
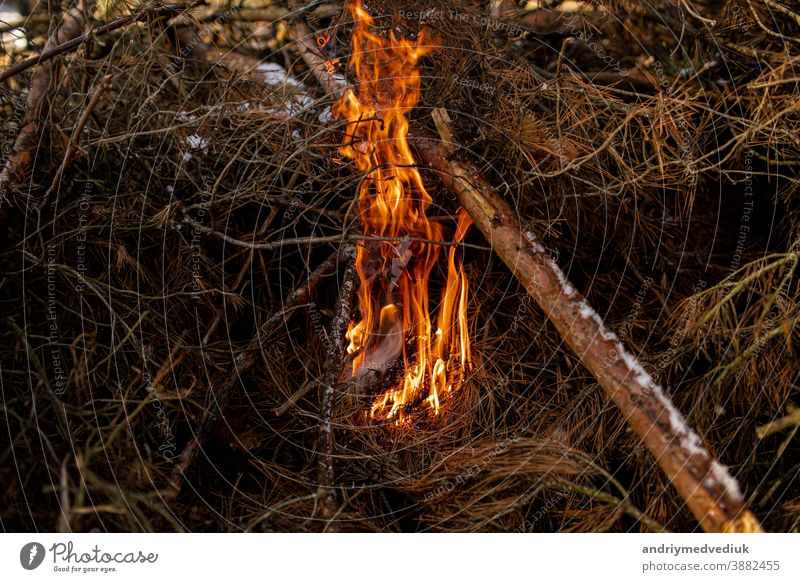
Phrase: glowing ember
(395, 323)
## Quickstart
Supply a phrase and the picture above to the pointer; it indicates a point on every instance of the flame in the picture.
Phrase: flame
(394, 269)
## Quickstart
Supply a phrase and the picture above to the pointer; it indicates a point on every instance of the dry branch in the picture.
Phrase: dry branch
(74, 139)
(791, 420)
(334, 368)
(710, 492)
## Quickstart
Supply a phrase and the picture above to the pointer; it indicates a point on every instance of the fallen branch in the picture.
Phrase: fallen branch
(332, 375)
(710, 492)
(74, 138)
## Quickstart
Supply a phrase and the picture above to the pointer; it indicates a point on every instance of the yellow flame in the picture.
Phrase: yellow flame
(393, 293)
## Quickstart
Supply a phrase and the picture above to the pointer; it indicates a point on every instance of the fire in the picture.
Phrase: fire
(394, 267)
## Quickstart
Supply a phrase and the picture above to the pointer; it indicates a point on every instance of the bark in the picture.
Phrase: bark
(333, 371)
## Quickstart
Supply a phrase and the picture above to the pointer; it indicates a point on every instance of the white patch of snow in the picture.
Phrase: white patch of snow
(197, 142)
(566, 286)
(534, 241)
(587, 312)
(325, 116)
(275, 74)
(687, 439)
(641, 376)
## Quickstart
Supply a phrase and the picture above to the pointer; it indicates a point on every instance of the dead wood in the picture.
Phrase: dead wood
(74, 139)
(332, 379)
(791, 420)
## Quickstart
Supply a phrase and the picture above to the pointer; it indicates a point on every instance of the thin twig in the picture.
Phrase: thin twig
(73, 43)
(243, 364)
(792, 419)
(75, 137)
(334, 367)
(337, 238)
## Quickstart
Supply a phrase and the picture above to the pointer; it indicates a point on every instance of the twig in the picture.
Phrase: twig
(334, 367)
(710, 492)
(789, 421)
(300, 296)
(27, 142)
(69, 43)
(74, 138)
(243, 364)
(294, 398)
(337, 238)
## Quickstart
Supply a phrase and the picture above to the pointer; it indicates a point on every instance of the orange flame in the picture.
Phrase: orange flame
(394, 271)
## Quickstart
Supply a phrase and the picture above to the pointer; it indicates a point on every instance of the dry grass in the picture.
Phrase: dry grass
(637, 182)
